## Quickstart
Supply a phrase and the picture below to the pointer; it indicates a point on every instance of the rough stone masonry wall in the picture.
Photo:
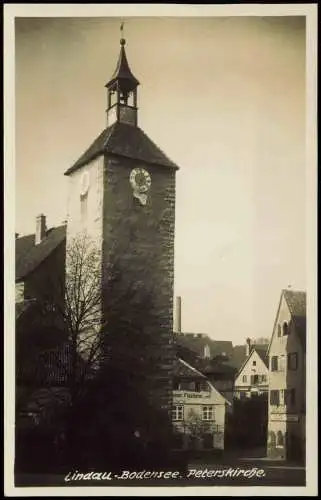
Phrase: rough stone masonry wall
(140, 241)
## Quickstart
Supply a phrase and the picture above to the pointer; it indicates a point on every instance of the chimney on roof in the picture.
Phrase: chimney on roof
(178, 315)
(40, 228)
(248, 347)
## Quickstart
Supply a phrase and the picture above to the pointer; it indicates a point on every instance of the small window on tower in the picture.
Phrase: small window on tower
(83, 207)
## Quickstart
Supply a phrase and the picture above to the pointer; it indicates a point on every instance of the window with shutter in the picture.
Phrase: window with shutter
(274, 398)
(274, 364)
(279, 439)
(282, 363)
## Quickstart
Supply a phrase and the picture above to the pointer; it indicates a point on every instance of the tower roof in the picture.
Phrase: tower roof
(122, 73)
(124, 140)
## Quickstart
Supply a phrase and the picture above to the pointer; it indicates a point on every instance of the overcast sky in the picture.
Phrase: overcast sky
(225, 99)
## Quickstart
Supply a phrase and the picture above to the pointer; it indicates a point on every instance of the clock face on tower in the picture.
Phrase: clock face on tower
(140, 180)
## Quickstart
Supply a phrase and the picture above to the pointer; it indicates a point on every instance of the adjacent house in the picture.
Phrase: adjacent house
(219, 372)
(40, 271)
(241, 352)
(287, 376)
(198, 411)
(40, 262)
(252, 377)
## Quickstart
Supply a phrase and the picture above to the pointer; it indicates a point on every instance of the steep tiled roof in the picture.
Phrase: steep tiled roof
(262, 352)
(181, 369)
(296, 301)
(29, 256)
(125, 140)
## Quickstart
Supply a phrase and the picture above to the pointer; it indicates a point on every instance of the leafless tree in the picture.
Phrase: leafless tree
(103, 346)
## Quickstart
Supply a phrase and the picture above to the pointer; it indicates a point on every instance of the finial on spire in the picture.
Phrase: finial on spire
(122, 39)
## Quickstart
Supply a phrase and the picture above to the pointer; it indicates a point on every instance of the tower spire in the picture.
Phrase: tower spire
(122, 74)
(123, 84)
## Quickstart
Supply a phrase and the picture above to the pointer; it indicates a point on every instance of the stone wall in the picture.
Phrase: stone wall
(138, 245)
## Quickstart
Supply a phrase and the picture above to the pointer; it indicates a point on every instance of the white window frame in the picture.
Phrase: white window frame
(178, 413)
(277, 364)
(208, 413)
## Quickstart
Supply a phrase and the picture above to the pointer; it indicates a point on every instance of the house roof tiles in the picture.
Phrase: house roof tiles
(124, 140)
(29, 256)
(181, 369)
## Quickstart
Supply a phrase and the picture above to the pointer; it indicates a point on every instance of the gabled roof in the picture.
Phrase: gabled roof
(29, 256)
(124, 140)
(296, 301)
(181, 369)
(262, 353)
(184, 370)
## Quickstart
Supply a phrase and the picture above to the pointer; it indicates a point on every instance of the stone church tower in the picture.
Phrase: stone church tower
(122, 193)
